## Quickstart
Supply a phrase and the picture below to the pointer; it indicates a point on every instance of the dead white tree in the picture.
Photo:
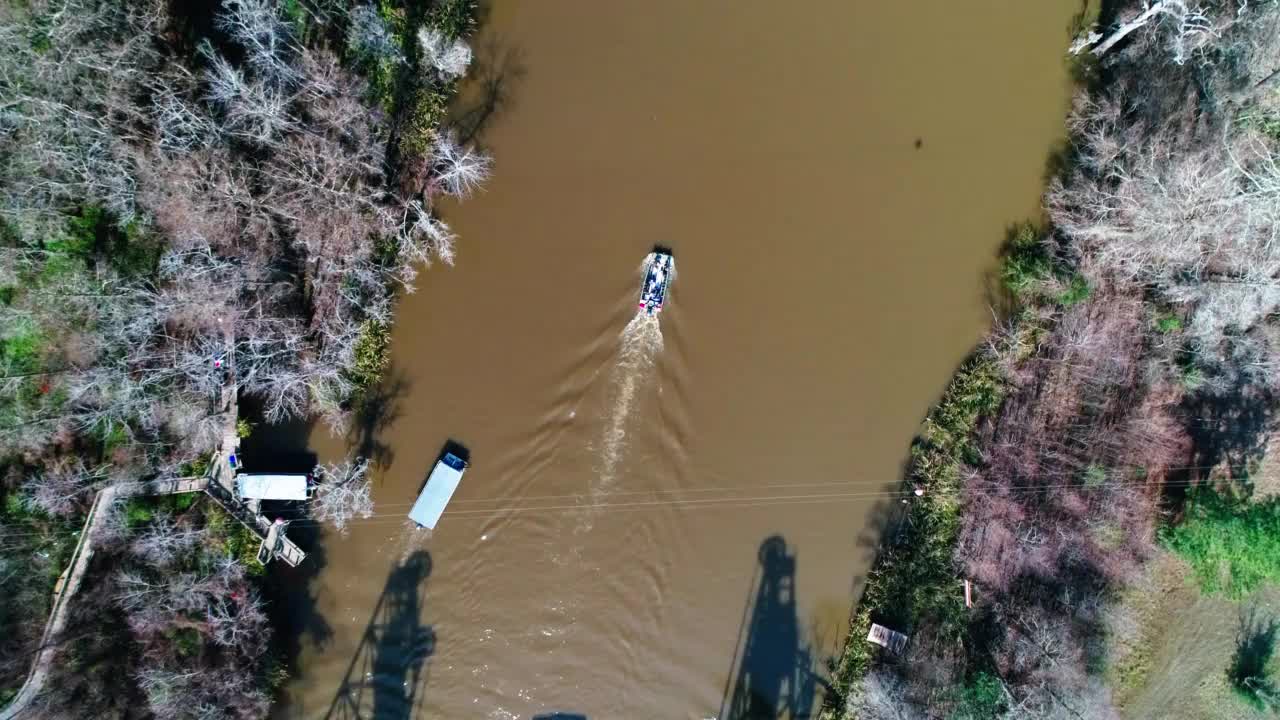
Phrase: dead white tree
(368, 36)
(1187, 24)
(342, 492)
(448, 58)
(457, 169)
(1198, 222)
(256, 26)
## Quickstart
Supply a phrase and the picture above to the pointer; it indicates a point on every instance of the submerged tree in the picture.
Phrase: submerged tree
(342, 492)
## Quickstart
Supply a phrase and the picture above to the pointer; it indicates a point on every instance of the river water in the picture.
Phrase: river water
(671, 520)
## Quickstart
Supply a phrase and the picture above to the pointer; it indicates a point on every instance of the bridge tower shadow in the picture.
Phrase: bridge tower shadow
(384, 679)
(774, 676)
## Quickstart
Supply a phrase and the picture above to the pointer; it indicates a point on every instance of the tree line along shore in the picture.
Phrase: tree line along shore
(1120, 411)
(187, 190)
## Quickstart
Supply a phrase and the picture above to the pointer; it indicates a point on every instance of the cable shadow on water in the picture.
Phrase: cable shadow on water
(386, 675)
(773, 675)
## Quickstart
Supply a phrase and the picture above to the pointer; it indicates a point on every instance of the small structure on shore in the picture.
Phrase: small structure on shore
(892, 640)
(262, 486)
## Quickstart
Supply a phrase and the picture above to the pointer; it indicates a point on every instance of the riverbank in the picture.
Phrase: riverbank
(235, 204)
(1137, 363)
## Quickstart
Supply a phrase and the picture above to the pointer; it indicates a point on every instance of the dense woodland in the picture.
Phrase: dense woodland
(1123, 404)
(189, 190)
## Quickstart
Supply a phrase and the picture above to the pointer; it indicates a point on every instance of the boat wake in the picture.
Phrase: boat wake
(640, 345)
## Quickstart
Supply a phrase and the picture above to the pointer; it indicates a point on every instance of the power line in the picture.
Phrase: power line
(738, 500)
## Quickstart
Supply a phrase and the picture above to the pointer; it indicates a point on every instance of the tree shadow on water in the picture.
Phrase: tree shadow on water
(774, 669)
(376, 411)
(496, 71)
(384, 679)
(1255, 647)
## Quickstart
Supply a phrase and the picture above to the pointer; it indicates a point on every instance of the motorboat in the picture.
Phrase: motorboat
(435, 495)
(659, 271)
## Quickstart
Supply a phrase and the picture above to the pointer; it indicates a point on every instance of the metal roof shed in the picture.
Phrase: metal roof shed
(440, 486)
(272, 487)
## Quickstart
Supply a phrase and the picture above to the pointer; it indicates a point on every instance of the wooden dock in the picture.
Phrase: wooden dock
(221, 487)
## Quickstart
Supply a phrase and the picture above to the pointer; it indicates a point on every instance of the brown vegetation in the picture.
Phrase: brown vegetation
(1140, 359)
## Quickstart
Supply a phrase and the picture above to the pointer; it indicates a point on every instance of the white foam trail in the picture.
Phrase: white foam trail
(639, 345)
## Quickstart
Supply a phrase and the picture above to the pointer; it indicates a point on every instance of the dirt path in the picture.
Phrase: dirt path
(69, 583)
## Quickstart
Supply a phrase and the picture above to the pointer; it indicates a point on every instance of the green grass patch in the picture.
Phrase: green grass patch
(1168, 323)
(138, 512)
(94, 236)
(197, 467)
(21, 350)
(1233, 545)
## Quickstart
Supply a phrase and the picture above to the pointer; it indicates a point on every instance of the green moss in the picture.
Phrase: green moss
(244, 428)
(138, 512)
(1233, 545)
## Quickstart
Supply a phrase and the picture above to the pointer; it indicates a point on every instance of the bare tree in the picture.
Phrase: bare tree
(342, 493)
(882, 696)
(163, 542)
(459, 170)
(1187, 25)
(449, 58)
(367, 35)
(62, 487)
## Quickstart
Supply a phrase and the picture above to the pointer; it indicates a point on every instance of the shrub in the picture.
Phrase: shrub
(1250, 670)
(454, 18)
(1076, 291)
(1095, 475)
(982, 698)
(372, 353)
(425, 113)
(1233, 545)
(1168, 323)
(1026, 264)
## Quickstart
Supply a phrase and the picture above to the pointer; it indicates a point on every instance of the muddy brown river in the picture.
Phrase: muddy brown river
(671, 520)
